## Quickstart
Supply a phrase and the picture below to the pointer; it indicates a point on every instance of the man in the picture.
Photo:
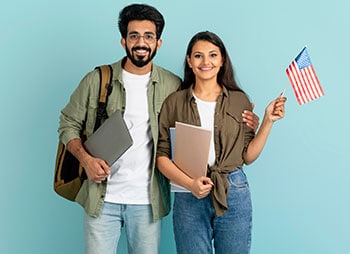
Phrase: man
(135, 195)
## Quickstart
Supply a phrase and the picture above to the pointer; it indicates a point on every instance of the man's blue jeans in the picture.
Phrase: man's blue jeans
(196, 227)
(102, 233)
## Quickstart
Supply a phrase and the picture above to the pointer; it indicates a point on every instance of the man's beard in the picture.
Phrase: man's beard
(140, 62)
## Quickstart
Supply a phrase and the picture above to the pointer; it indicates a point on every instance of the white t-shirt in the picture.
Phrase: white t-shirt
(206, 110)
(130, 174)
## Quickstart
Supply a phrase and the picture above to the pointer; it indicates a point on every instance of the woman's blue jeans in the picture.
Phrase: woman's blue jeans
(197, 229)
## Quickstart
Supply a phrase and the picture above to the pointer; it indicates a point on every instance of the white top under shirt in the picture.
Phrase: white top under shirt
(206, 110)
(129, 180)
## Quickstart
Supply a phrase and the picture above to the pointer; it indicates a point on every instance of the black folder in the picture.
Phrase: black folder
(111, 140)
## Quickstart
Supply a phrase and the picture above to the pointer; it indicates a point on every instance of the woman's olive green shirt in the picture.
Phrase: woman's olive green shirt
(82, 106)
(231, 134)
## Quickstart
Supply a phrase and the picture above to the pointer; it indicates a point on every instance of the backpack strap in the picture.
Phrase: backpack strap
(106, 73)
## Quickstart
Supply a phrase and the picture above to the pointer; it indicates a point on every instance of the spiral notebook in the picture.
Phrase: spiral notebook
(111, 140)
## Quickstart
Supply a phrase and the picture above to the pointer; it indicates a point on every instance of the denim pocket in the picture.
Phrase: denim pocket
(238, 179)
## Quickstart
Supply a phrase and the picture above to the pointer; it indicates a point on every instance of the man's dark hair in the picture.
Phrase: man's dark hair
(140, 12)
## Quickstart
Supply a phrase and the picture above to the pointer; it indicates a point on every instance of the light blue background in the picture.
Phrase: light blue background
(299, 185)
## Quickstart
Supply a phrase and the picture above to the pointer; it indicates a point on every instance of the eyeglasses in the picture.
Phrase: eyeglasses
(148, 37)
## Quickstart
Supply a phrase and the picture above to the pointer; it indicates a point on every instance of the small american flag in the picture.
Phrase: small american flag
(303, 78)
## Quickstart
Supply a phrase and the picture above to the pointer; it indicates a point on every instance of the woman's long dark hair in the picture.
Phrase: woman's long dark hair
(225, 76)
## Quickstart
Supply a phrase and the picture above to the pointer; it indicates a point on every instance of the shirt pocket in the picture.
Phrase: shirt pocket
(91, 115)
(232, 125)
(114, 105)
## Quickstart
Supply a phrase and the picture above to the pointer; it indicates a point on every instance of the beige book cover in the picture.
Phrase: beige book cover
(190, 147)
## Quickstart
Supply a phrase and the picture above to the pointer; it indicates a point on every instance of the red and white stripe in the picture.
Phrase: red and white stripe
(305, 83)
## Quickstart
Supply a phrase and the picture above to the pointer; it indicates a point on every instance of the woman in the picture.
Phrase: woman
(219, 205)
